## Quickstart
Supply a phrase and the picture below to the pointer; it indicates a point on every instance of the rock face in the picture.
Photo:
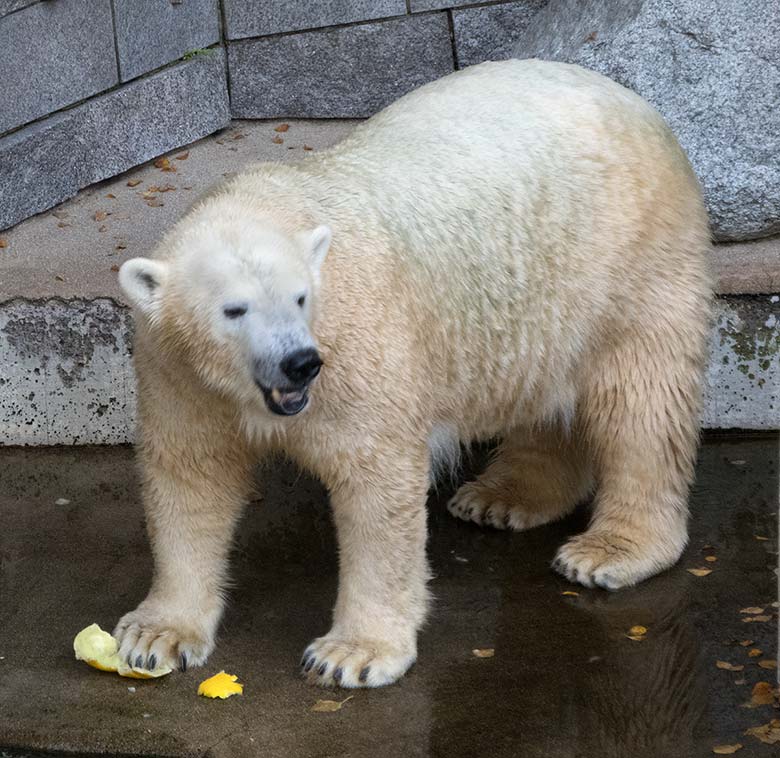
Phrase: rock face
(711, 67)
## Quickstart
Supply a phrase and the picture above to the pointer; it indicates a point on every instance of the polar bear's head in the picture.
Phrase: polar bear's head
(237, 298)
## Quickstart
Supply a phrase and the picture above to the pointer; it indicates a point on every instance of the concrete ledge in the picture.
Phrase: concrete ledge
(68, 378)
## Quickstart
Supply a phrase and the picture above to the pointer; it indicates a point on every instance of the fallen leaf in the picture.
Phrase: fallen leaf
(752, 610)
(768, 733)
(754, 653)
(728, 666)
(727, 749)
(113, 197)
(746, 643)
(748, 619)
(183, 156)
(328, 706)
(164, 165)
(133, 182)
(100, 216)
(570, 593)
(115, 267)
(762, 694)
(699, 571)
(711, 558)
(277, 140)
(307, 148)
(483, 652)
(281, 128)
(769, 663)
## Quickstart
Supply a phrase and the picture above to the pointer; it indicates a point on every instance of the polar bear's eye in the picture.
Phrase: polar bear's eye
(301, 301)
(234, 311)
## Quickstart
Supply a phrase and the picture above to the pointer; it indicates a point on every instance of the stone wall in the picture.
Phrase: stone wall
(91, 88)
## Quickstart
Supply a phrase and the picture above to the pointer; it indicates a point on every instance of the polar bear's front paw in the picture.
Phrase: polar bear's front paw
(610, 560)
(478, 503)
(147, 639)
(337, 661)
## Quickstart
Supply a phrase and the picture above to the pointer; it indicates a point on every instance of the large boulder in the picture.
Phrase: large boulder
(711, 67)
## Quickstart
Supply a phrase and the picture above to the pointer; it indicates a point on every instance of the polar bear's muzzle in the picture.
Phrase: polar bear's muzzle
(291, 395)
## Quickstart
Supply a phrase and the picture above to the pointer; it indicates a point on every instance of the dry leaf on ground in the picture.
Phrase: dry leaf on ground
(770, 663)
(100, 216)
(483, 652)
(699, 571)
(746, 643)
(133, 182)
(183, 156)
(754, 653)
(768, 733)
(752, 610)
(762, 694)
(111, 195)
(726, 666)
(281, 128)
(759, 619)
(164, 165)
(328, 706)
(727, 749)
(277, 140)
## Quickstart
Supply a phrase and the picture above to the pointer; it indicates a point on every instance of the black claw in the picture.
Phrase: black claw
(129, 660)
(305, 659)
(322, 669)
(309, 665)
(151, 664)
(337, 675)
(364, 674)
(139, 662)
(183, 661)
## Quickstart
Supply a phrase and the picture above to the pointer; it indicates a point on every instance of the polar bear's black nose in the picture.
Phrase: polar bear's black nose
(301, 366)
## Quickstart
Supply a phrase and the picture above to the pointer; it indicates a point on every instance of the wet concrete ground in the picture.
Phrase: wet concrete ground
(564, 680)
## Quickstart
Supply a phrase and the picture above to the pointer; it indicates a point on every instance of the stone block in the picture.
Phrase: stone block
(337, 73)
(711, 68)
(255, 18)
(489, 32)
(54, 54)
(47, 162)
(151, 33)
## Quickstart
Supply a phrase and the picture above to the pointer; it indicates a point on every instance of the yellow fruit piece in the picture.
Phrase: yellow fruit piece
(638, 630)
(99, 650)
(220, 685)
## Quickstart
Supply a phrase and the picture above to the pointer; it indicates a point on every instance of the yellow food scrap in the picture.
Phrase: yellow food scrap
(727, 749)
(221, 686)
(483, 652)
(99, 650)
(638, 630)
(699, 571)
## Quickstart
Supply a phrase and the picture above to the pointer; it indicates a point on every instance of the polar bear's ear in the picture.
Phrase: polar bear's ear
(142, 279)
(317, 245)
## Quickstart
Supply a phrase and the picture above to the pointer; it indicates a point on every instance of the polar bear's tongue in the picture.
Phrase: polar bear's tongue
(289, 402)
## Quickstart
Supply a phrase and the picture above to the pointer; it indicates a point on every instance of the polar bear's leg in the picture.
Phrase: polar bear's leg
(640, 409)
(536, 476)
(196, 476)
(380, 518)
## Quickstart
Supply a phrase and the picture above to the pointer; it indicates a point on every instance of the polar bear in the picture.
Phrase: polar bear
(515, 252)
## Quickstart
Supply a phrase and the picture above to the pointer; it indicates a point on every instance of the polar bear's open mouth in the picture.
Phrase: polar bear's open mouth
(285, 403)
